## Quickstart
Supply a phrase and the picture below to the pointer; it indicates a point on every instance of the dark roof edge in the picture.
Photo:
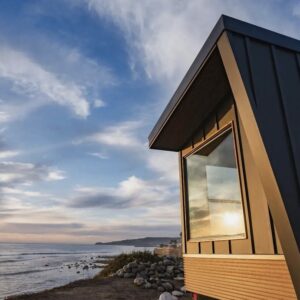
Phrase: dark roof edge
(228, 24)
(188, 78)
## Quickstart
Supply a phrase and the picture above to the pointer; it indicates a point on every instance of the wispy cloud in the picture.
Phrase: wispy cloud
(99, 103)
(99, 155)
(21, 192)
(119, 135)
(132, 192)
(165, 36)
(8, 154)
(12, 173)
(30, 78)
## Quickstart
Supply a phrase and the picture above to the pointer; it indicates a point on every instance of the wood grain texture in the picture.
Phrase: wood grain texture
(224, 278)
(256, 101)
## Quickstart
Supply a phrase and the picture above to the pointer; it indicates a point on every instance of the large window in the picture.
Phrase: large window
(215, 209)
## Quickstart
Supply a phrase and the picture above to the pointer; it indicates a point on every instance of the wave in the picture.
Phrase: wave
(9, 261)
(26, 272)
(44, 253)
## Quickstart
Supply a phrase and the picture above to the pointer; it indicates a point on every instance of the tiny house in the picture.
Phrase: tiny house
(234, 121)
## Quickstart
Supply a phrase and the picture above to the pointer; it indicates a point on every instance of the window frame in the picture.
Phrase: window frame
(221, 131)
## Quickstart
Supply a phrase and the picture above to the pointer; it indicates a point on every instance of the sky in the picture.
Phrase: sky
(82, 83)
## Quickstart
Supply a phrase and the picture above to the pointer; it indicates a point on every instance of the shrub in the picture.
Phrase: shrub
(123, 259)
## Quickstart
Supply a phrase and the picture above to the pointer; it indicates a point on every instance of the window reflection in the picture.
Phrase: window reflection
(214, 196)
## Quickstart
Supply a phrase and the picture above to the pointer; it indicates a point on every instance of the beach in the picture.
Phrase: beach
(31, 268)
(101, 289)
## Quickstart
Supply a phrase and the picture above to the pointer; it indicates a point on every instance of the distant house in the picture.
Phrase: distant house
(234, 120)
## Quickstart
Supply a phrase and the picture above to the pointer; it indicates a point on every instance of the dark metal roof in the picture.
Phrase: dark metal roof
(225, 23)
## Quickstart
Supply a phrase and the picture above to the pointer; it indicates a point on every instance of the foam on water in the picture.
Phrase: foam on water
(27, 268)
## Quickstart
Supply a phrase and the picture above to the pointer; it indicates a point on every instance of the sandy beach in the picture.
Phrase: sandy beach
(99, 288)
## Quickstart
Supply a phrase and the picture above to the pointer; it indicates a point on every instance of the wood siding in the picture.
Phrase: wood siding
(237, 278)
(261, 233)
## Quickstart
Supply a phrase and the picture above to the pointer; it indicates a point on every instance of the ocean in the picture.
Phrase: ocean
(27, 268)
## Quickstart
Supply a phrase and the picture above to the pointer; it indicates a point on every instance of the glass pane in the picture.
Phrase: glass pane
(214, 196)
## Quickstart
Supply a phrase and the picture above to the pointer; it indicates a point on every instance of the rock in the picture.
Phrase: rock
(177, 293)
(167, 262)
(147, 285)
(170, 269)
(161, 289)
(154, 286)
(141, 268)
(161, 269)
(128, 275)
(46, 265)
(138, 281)
(78, 272)
(86, 267)
(120, 273)
(179, 278)
(167, 296)
(132, 264)
(142, 274)
(168, 286)
(183, 289)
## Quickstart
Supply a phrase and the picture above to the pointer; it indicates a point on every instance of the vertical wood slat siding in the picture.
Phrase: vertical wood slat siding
(245, 246)
(274, 94)
(261, 225)
(182, 204)
(223, 278)
(260, 241)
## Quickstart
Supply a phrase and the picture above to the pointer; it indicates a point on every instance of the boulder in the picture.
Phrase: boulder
(167, 286)
(177, 293)
(167, 296)
(128, 275)
(86, 267)
(120, 273)
(138, 281)
(161, 289)
(170, 269)
(147, 285)
(132, 264)
(167, 262)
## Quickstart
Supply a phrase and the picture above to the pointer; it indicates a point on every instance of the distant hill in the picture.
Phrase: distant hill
(143, 242)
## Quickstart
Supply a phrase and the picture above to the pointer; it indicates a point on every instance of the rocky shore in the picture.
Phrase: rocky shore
(165, 275)
(157, 278)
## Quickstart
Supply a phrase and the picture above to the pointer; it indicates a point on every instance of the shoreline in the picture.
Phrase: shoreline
(113, 288)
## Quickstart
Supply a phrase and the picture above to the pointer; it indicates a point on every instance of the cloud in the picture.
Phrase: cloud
(164, 36)
(39, 228)
(125, 136)
(21, 192)
(54, 175)
(99, 155)
(130, 193)
(30, 78)
(165, 164)
(8, 154)
(12, 173)
(99, 103)
(119, 135)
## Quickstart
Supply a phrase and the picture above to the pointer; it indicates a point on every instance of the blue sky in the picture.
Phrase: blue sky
(82, 83)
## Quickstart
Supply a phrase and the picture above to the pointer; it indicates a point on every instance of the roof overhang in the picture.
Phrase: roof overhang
(197, 95)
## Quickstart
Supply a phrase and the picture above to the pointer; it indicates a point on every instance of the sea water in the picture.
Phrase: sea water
(27, 268)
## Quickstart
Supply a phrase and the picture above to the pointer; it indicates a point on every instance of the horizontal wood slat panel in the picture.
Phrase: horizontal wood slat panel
(235, 278)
